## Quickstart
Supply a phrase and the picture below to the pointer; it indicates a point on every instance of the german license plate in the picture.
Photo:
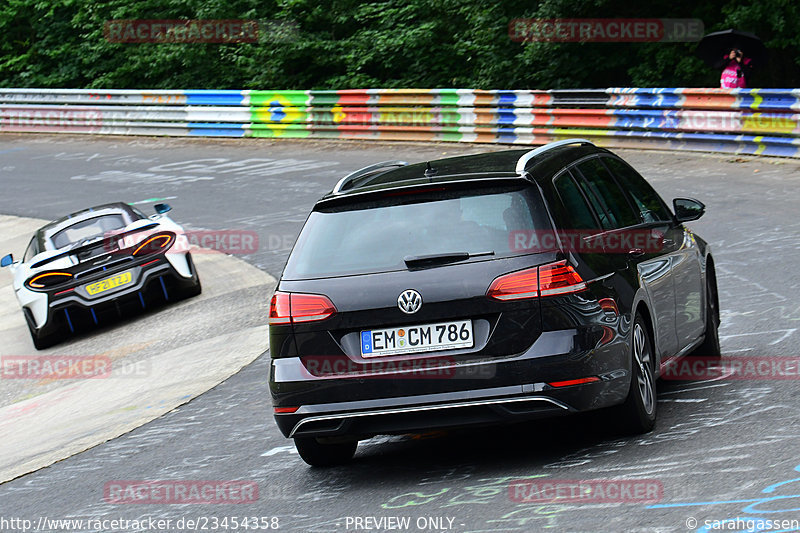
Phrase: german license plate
(415, 339)
(109, 283)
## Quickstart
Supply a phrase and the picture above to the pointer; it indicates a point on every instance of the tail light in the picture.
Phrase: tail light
(295, 307)
(154, 244)
(559, 278)
(515, 286)
(569, 382)
(48, 279)
(546, 280)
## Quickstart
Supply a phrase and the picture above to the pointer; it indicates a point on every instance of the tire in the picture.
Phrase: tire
(41, 342)
(710, 347)
(317, 453)
(638, 413)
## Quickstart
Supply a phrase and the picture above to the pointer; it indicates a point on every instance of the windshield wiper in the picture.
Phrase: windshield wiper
(441, 259)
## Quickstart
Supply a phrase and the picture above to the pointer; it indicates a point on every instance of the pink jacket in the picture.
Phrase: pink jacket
(731, 79)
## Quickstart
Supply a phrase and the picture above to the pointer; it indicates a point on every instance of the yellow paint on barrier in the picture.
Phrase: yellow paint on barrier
(757, 99)
(770, 123)
(761, 146)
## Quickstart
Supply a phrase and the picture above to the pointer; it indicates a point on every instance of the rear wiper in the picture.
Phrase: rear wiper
(440, 259)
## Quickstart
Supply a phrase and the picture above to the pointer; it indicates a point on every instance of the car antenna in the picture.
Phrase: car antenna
(429, 170)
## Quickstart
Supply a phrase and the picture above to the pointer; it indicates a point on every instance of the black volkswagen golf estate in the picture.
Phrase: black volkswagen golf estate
(477, 289)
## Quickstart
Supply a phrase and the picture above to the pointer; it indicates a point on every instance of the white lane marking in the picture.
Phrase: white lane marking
(786, 333)
(279, 449)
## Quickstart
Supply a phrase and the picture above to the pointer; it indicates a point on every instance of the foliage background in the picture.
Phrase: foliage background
(390, 43)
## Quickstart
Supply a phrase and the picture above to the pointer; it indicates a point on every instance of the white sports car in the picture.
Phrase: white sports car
(90, 265)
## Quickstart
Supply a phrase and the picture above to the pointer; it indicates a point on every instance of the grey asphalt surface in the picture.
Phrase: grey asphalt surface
(722, 450)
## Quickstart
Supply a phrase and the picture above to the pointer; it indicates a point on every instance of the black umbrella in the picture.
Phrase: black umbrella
(715, 46)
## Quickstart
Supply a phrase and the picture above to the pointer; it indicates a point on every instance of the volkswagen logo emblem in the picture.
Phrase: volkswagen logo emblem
(409, 301)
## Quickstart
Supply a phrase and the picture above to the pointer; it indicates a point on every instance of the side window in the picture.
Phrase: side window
(30, 251)
(579, 215)
(606, 196)
(651, 207)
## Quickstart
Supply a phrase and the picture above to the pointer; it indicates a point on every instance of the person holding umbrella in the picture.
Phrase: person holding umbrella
(735, 52)
(737, 67)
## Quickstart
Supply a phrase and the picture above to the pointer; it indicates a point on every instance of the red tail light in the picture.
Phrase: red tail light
(515, 286)
(288, 308)
(279, 310)
(286, 409)
(569, 382)
(559, 278)
(547, 280)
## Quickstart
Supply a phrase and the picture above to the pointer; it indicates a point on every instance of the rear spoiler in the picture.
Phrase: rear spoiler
(486, 179)
(104, 243)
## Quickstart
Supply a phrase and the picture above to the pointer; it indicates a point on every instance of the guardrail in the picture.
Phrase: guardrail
(745, 121)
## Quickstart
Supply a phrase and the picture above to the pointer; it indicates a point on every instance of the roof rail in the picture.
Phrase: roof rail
(522, 162)
(366, 171)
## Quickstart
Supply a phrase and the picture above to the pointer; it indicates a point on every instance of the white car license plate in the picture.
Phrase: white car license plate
(415, 339)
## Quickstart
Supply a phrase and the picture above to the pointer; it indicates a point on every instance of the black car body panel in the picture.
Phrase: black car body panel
(531, 356)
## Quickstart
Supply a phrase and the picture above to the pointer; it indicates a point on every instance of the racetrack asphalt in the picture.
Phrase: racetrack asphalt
(722, 450)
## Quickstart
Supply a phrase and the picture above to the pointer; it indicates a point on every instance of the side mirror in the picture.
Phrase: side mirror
(687, 209)
(162, 208)
(7, 260)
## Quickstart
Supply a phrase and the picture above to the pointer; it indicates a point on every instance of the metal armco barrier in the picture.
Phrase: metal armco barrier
(742, 121)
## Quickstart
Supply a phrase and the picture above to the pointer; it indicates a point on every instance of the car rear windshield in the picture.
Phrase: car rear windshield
(87, 229)
(379, 235)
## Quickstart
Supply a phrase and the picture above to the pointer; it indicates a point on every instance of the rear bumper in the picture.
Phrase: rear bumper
(152, 283)
(484, 392)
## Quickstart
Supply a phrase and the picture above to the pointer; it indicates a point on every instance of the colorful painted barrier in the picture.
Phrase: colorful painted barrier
(747, 121)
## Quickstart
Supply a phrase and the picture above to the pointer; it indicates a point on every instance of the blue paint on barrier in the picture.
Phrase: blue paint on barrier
(276, 112)
(506, 98)
(506, 135)
(215, 129)
(506, 117)
(214, 97)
